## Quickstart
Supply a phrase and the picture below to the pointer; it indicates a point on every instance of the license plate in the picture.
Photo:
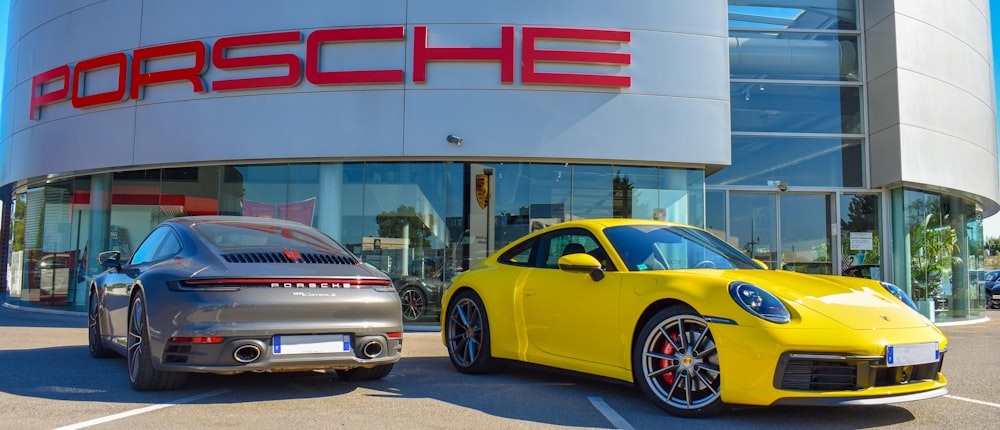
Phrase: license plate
(311, 344)
(912, 354)
(996, 297)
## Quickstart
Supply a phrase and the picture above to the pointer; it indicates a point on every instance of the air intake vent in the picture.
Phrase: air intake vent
(819, 375)
(280, 257)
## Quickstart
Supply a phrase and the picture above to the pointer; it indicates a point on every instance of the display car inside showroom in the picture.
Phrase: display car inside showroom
(844, 137)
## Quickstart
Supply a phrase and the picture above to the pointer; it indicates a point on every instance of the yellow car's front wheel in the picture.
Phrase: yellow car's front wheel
(676, 364)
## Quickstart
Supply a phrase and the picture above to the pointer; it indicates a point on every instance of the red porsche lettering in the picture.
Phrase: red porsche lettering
(152, 66)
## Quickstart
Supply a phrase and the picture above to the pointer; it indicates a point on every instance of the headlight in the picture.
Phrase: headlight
(900, 294)
(760, 303)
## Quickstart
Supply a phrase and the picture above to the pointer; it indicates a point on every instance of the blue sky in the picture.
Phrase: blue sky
(991, 226)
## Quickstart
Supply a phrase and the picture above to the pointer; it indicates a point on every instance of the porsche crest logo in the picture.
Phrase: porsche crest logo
(483, 190)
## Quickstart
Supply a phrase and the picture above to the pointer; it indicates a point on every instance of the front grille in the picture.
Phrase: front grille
(810, 372)
(280, 257)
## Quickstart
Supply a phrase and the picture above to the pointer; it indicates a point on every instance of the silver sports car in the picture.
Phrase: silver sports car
(227, 295)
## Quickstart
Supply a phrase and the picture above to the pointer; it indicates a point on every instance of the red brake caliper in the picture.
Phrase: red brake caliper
(668, 349)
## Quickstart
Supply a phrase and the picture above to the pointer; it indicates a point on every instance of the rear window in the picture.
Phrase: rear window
(236, 235)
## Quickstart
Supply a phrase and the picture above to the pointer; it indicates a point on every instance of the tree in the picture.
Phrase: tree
(392, 224)
(622, 188)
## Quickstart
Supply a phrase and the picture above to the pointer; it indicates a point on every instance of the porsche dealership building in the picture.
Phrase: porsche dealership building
(823, 136)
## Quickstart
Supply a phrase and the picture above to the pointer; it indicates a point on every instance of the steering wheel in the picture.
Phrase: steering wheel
(705, 264)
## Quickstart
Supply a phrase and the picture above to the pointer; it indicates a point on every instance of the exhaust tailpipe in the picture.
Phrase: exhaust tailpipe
(372, 349)
(247, 353)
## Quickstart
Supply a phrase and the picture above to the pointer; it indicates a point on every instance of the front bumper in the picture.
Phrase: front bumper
(797, 366)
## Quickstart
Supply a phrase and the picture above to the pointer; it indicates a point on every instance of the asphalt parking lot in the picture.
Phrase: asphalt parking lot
(50, 381)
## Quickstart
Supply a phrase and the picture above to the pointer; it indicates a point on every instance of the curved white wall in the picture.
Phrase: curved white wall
(676, 109)
(931, 96)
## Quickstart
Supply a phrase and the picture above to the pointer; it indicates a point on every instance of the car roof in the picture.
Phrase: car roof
(191, 220)
(601, 223)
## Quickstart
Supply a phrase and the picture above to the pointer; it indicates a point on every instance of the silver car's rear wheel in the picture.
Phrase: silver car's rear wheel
(141, 374)
(468, 332)
(97, 349)
(676, 364)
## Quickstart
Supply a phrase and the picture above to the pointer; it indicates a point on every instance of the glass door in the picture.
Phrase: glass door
(785, 231)
(806, 223)
(753, 225)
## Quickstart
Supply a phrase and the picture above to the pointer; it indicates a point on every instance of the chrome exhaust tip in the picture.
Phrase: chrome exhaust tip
(247, 353)
(372, 349)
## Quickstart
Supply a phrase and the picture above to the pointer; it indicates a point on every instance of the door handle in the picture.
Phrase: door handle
(529, 292)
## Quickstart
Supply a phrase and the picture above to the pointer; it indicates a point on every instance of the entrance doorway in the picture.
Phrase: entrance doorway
(787, 231)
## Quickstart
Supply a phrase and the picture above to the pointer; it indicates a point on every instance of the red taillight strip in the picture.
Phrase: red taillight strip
(198, 339)
(394, 335)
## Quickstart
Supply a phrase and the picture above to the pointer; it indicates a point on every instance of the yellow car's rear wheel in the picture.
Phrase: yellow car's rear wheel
(468, 332)
(676, 364)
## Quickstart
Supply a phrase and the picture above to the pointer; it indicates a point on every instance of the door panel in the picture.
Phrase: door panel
(569, 315)
(753, 226)
(805, 239)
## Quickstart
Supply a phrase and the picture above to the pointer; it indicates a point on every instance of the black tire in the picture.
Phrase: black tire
(467, 330)
(365, 373)
(97, 349)
(414, 303)
(676, 365)
(142, 376)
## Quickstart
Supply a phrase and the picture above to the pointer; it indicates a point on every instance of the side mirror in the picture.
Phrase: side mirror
(761, 264)
(582, 262)
(110, 259)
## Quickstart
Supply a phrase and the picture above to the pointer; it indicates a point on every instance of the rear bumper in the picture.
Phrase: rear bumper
(241, 354)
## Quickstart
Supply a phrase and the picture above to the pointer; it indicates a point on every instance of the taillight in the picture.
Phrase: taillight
(394, 335)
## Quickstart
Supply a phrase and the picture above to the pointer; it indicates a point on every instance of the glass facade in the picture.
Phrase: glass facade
(797, 195)
(938, 243)
(427, 221)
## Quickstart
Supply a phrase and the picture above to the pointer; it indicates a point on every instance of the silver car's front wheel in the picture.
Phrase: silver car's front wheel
(141, 374)
(676, 364)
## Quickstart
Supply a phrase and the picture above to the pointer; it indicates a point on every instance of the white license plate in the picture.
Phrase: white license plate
(912, 354)
(311, 344)
(996, 297)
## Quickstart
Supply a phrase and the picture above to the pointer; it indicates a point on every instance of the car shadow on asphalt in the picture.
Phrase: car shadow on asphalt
(525, 393)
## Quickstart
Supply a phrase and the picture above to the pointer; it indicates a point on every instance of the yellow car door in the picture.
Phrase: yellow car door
(568, 315)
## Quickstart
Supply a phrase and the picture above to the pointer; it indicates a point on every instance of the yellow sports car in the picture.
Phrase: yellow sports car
(693, 322)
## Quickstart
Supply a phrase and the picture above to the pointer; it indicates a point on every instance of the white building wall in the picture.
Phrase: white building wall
(676, 110)
(931, 97)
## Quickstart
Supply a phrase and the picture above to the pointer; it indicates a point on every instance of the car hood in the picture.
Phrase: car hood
(860, 304)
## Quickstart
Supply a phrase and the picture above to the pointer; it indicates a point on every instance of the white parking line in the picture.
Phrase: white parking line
(979, 402)
(110, 418)
(609, 413)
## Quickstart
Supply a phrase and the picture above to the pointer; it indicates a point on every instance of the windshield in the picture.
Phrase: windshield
(657, 247)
